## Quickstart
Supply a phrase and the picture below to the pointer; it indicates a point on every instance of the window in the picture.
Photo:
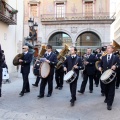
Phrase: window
(88, 9)
(33, 10)
(60, 10)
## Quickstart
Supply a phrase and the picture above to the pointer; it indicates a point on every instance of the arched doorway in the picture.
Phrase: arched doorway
(59, 39)
(86, 40)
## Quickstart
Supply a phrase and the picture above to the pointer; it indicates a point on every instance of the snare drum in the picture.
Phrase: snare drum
(44, 69)
(108, 76)
(70, 76)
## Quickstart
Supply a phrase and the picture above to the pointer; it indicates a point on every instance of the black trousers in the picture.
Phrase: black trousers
(84, 82)
(59, 78)
(73, 88)
(26, 86)
(43, 84)
(118, 78)
(102, 85)
(110, 92)
(97, 77)
(37, 80)
(0, 81)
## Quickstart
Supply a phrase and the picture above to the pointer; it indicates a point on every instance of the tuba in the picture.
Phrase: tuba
(61, 57)
(98, 62)
(16, 59)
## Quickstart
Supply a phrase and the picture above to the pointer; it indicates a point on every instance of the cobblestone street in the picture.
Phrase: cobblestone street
(29, 107)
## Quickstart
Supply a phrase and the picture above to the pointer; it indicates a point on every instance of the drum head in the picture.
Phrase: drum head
(44, 69)
(68, 75)
(106, 74)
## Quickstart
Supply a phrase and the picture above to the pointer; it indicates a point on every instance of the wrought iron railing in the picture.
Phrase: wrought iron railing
(77, 16)
(7, 11)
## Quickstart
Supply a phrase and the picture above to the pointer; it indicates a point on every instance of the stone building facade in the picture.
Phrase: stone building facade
(90, 18)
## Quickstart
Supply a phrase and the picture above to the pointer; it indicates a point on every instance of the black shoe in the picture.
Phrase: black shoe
(27, 91)
(60, 88)
(105, 101)
(72, 103)
(35, 85)
(102, 94)
(117, 87)
(56, 87)
(109, 107)
(40, 96)
(48, 95)
(80, 92)
(21, 94)
(73, 100)
(91, 91)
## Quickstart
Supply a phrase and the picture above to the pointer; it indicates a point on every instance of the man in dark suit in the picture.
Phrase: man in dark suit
(25, 69)
(1, 62)
(89, 71)
(52, 60)
(73, 62)
(109, 61)
(59, 74)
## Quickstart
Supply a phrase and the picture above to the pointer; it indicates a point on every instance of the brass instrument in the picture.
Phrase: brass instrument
(98, 62)
(42, 51)
(61, 57)
(16, 59)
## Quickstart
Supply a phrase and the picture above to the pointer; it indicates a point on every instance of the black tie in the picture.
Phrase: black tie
(108, 60)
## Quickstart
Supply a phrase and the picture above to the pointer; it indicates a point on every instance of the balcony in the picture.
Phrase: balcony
(8, 15)
(78, 18)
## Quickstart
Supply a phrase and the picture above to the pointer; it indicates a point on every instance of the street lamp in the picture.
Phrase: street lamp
(33, 28)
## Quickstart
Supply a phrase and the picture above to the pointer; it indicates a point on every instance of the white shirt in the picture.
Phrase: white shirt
(48, 53)
(73, 56)
(25, 52)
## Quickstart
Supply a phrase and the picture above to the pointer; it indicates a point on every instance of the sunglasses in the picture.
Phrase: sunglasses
(23, 48)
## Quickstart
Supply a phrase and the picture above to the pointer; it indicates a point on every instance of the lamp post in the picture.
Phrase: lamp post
(32, 33)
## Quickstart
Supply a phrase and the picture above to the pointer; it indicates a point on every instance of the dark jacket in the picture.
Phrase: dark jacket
(70, 62)
(53, 61)
(90, 67)
(113, 61)
(25, 66)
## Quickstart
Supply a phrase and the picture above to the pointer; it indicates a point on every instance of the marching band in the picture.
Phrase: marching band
(101, 66)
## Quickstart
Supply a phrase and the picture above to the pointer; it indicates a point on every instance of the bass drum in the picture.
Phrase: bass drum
(44, 69)
(36, 68)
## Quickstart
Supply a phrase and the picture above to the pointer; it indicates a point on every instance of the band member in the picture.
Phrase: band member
(109, 61)
(25, 69)
(36, 72)
(89, 71)
(97, 73)
(59, 74)
(52, 60)
(117, 72)
(1, 62)
(73, 62)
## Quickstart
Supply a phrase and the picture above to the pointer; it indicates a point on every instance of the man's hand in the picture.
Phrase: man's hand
(47, 61)
(100, 69)
(65, 69)
(20, 60)
(113, 67)
(86, 62)
(75, 66)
